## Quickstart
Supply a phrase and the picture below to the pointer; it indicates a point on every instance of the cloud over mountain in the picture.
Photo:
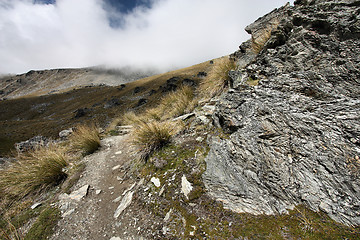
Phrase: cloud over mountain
(168, 34)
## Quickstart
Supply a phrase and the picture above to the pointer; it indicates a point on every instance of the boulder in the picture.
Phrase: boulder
(31, 144)
(66, 133)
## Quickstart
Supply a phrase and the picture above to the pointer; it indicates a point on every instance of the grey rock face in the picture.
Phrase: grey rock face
(66, 133)
(31, 144)
(295, 138)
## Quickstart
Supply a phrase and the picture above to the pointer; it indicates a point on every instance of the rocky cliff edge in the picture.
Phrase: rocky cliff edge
(292, 116)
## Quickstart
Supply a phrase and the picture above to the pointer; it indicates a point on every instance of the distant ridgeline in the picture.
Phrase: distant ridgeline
(295, 136)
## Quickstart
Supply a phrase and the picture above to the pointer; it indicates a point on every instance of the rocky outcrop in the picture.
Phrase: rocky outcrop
(295, 137)
(31, 144)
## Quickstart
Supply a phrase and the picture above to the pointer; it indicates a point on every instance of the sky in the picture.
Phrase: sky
(159, 34)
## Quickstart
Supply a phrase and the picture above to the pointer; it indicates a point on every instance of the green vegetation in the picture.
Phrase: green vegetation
(85, 139)
(218, 78)
(34, 171)
(44, 224)
(252, 82)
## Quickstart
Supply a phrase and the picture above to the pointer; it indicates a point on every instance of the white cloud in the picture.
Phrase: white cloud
(173, 33)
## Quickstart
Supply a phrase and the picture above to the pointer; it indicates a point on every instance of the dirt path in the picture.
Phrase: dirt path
(92, 216)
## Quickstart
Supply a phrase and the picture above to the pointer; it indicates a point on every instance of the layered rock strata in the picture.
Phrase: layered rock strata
(295, 137)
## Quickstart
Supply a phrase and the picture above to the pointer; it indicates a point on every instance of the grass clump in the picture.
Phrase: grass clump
(151, 136)
(178, 103)
(218, 78)
(171, 105)
(34, 171)
(85, 139)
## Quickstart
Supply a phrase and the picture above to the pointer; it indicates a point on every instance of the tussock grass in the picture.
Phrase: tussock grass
(34, 171)
(218, 78)
(153, 129)
(131, 118)
(178, 103)
(171, 105)
(85, 139)
(151, 136)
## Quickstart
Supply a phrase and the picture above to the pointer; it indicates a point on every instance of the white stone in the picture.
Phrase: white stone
(116, 167)
(162, 190)
(118, 152)
(97, 192)
(186, 186)
(141, 182)
(165, 230)
(65, 133)
(117, 199)
(76, 195)
(111, 188)
(125, 202)
(129, 189)
(204, 119)
(68, 213)
(167, 216)
(35, 205)
(199, 139)
(115, 238)
(155, 181)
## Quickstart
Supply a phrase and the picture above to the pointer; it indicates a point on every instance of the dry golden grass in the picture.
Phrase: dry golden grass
(85, 139)
(218, 78)
(151, 136)
(171, 105)
(131, 118)
(176, 103)
(34, 171)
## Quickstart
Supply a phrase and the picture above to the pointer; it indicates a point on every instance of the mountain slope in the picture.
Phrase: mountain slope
(36, 83)
(24, 117)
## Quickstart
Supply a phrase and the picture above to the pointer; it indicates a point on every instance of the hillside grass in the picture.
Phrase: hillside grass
(34, 171)
(218, 79)
(85, 139)
(151, 136)
(33, 175)
(47, 115)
